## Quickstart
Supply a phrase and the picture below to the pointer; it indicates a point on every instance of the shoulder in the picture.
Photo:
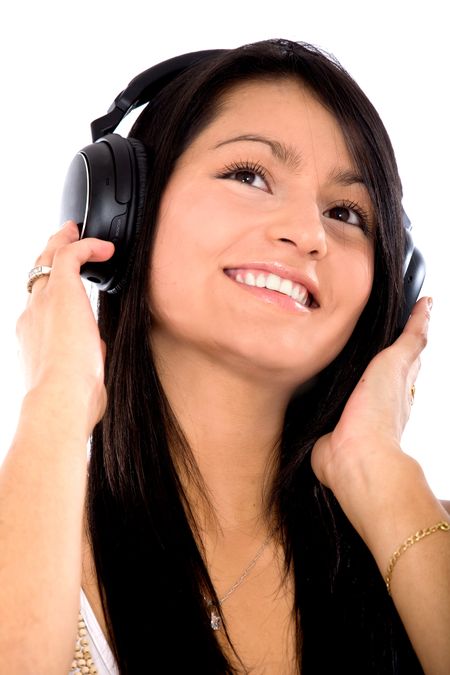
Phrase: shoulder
(446, 505)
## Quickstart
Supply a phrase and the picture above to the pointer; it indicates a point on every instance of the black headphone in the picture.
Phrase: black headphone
(106, 184)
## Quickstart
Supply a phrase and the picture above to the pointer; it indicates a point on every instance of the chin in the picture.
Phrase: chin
(274, 366)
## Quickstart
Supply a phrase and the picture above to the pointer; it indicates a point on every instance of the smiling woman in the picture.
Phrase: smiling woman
(246, 387)
(272, 208)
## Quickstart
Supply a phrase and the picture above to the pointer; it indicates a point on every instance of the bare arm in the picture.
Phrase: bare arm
(42, 486)
(399, 503)
(43, 477)
(385, 495)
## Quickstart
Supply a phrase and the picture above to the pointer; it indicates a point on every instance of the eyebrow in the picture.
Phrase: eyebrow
(286, 154)
(346, 177)
(293, 158)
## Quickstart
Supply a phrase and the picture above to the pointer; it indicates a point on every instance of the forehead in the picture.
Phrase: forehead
(273, 91)
(283, 109)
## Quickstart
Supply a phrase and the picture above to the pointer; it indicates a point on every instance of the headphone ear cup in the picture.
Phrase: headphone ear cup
(104, 193)
(413, 278)
(126, 248)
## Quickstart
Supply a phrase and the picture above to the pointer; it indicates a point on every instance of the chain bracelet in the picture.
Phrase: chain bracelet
(413, 539)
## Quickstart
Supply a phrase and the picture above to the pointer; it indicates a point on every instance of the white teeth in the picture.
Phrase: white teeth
(295, 292)
(274, 283)
(300, 294)
(286, 287)
(250, 279)
(261, 280)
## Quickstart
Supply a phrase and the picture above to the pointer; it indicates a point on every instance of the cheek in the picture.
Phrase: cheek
(187, 246)
(354, 281)
(364, 272)
(360, 280)
(191, 223)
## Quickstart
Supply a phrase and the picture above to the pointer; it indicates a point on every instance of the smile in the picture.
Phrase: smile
(278, 286)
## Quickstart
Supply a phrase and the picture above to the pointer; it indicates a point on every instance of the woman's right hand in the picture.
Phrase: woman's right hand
(60, 343)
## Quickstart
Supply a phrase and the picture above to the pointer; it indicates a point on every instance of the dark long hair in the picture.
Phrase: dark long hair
(150, 567)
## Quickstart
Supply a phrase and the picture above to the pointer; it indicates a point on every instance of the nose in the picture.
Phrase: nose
(300, 225)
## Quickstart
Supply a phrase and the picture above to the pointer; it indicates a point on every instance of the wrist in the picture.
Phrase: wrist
(385, 495)
(52, 411)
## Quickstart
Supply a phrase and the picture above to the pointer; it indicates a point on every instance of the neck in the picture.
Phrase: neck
(232, 423)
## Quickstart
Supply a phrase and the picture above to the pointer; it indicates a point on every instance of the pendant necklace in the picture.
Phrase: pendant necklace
(216, 621)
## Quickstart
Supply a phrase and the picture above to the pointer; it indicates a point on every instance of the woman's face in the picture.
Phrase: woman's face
(263, 257)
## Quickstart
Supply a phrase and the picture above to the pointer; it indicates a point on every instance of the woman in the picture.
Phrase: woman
(246, 487)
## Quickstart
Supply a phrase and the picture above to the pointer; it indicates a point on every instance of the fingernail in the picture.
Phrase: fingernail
(430, 303)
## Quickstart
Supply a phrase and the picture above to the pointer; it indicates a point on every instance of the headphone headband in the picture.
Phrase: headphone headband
(144, 86)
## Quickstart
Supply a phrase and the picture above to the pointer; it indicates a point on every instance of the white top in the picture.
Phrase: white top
(98, 646)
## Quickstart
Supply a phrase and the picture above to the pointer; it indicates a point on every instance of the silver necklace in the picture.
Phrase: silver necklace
(216, 621)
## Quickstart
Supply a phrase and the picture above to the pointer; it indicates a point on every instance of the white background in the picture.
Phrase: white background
(62, 64)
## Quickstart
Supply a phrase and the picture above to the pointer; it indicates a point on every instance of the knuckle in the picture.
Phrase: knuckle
(56, 241)
(405, 365)
(63, 252)
(401, 362)
(53, 238)
(42, 259)
(422, 339)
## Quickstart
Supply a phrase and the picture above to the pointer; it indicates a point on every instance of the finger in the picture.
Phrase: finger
(68, 259)
(66, 234)
(65, 254)
(319, 456)
(414, 335)
(38, 281)
(67, 262)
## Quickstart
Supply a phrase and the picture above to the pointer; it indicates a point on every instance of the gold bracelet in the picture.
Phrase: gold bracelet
(420, 534)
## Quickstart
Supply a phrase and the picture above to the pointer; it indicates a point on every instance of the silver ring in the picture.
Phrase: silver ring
(37, 273)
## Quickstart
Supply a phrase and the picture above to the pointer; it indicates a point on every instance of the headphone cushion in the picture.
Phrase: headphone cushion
(140, 170)
(141, 157)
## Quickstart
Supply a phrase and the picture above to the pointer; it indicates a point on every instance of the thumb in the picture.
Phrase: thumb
(321, 457)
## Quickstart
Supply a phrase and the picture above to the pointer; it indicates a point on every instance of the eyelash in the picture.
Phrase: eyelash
(251, 167)
(363, 215)
(259, 170)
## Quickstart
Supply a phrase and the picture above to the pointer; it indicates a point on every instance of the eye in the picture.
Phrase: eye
(350, 213)
(249, 178)
(247, 173)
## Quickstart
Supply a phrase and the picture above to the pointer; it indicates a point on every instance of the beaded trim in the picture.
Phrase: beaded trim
(83, 662)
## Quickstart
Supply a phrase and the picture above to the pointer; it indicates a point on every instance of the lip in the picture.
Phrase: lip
(285, 272)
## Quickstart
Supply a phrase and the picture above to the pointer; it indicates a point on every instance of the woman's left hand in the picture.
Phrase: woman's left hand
(365, 445)
(384, 493)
